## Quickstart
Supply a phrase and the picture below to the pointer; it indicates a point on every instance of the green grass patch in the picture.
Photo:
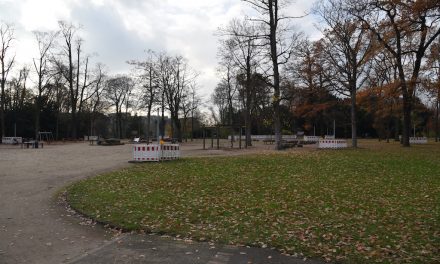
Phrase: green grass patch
(355, 206)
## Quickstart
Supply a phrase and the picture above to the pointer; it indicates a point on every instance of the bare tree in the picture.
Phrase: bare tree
(96, 101)
(220, 99)
(60, 96)
(148, 77)
(432, 83)
(349, 48)
(175, 76)
(406, 29)
(241, 48)
(68, 32)
(6, 63)
(190, 102)
(20, 90)
(277, 37)
(41, 65)
(117, 89)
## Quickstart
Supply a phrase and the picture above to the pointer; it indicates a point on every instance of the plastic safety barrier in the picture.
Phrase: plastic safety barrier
(418, 140)
(312, 138)
(332, 143)
(12, 140)
(156, 152)
(264, 137)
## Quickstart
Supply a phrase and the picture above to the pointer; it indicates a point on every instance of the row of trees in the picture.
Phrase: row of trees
(169, 83)
(388, 46)
(62, 92)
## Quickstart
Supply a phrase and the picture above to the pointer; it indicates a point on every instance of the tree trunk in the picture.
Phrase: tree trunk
(247, 115)
(73, 123)
(277, 125)
(437, 135)
(162, 121)
(2, 98)
(192, 126)
(247, 122)
(2, 112)
(57, 122)
(177, 129)
(406, 121)
(147, 134)
(353, 119)
(120, 124)
(273, 20)
(37, 116)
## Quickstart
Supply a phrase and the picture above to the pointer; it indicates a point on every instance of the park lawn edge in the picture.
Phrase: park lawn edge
(196, 238)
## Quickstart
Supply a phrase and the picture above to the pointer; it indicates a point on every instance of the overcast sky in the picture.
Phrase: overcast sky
(121, 30)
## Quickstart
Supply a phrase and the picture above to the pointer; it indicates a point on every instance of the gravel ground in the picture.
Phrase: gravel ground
(35, 227)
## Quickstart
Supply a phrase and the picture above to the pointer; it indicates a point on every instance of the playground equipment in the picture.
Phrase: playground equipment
(91, 139)
(215, 134)
(45, 136)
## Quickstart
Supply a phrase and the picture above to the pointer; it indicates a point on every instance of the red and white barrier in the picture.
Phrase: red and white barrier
(418, 140)
(156, 152)
(332, 143)
(170, 152)
(11, 140)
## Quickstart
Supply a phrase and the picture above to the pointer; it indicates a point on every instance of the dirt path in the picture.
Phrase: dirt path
(33, 227)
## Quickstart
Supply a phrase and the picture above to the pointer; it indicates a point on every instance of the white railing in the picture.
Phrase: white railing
(332, 143)
(329, 137)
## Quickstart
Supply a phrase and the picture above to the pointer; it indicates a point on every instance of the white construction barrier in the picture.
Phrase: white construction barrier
(332, 143)
(418, 140)
(170, 151)
(156, 152)
(264, 137)
(329, 137)
(312, 138)
(12, 140)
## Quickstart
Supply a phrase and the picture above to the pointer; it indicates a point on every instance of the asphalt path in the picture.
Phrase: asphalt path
(36, 227)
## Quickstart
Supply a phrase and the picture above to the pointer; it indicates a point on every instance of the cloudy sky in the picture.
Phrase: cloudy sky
(121, 30)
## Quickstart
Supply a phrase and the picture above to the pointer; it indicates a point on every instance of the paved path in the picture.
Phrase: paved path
(35, 228)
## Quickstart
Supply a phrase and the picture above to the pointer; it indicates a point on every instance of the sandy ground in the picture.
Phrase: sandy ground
(34, 227)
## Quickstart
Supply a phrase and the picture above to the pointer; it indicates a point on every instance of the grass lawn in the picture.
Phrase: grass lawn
(379, 203)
